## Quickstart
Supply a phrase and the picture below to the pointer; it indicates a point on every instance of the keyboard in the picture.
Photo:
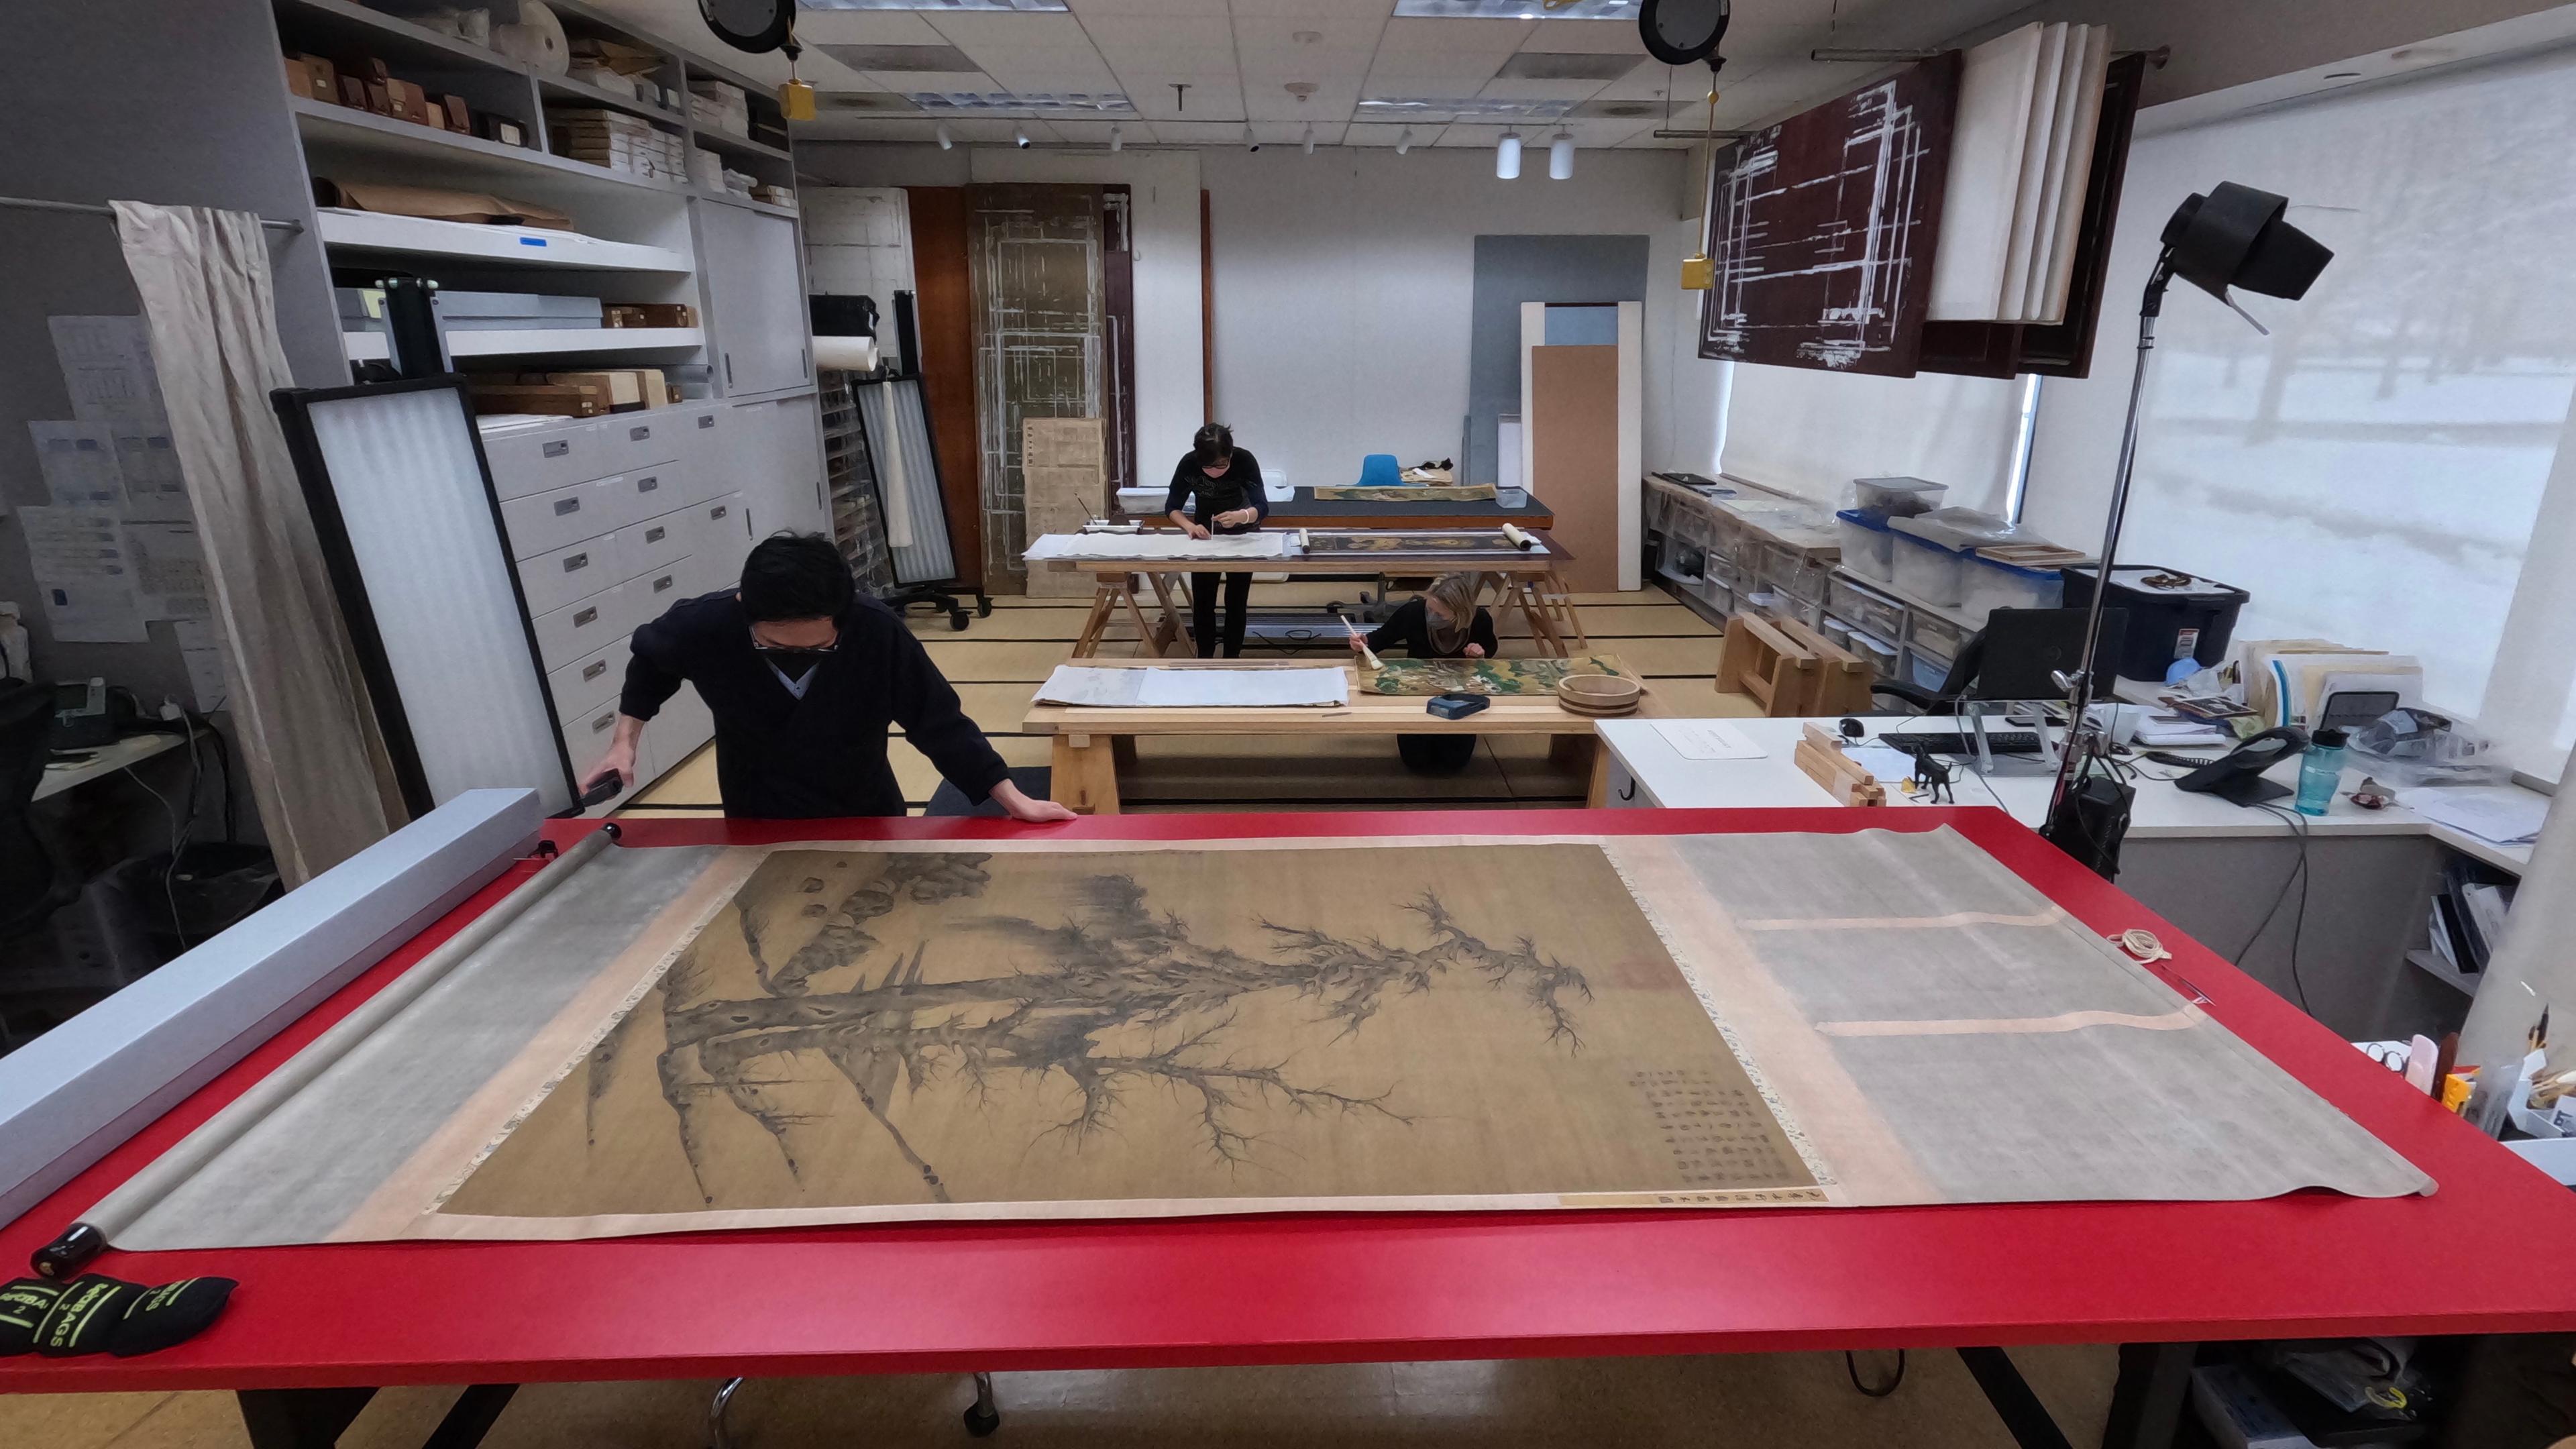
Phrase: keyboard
(1962, 742)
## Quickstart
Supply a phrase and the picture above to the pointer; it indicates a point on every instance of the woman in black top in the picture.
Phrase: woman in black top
(1444, 623)
(1226, 482)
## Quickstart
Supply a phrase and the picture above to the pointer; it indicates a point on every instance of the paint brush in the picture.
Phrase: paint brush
(1365, 652)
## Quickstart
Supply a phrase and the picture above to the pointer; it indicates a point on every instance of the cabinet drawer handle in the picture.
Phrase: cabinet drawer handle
(662, 583)
(654, 535)
(638, 434)
(586, 616)
(716, 512)
(706, 420)
(567, 505)
(647, 485)
(603, 722)
(557, 448)
(577, 561)
(596, 668)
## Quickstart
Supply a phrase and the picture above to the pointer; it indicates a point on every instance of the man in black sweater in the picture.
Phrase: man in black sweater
(803, 676)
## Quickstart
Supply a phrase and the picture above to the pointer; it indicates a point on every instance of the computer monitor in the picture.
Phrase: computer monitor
(2019, 653)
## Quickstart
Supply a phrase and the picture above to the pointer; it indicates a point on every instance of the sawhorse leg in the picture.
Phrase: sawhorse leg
(1084, 778)
(1149, 640)
(316, 1418)
(1559, 599)
(2146, 1403)
(1542, 624)
(1175, 629)
(1104, 602)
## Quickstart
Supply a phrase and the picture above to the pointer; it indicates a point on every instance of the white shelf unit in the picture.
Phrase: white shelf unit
(541, 342)
(486, 244)
(656, 505)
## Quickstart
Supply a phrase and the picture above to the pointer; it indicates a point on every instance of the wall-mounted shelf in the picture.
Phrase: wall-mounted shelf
(520, 246)
(540, 342)
(727, 141)
(321, 122)
(2431, 964)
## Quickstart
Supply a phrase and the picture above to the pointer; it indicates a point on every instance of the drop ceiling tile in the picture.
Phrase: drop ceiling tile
(1362, 133)
(1210, 97)
(1094, 133)
(1090, 10)
(1200, 31)
(1048, 70)
(1585, 37)
(865, 27)
(1538, 90)
(1199, 132)
(1354, 12)
(1652, 77)
(1410, 36)
(1007, 29)
(1430, 75)
(1277, 35)
(977, 84)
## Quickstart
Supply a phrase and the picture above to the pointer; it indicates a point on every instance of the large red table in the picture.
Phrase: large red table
(2476, 1256)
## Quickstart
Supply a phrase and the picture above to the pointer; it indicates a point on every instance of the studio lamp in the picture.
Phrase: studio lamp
(2233, 237)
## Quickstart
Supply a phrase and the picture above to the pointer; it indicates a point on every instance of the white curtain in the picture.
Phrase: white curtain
(306, 732)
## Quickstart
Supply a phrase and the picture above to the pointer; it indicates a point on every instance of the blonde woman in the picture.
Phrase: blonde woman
(1444, 623)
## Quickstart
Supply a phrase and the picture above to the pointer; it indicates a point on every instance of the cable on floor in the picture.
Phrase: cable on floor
(1851, 1366)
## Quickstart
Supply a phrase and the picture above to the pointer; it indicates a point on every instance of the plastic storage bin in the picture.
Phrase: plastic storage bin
(1877, 651)
(2167, 621)
(1935, 635)
(1868, 545)
(1896, 497)
(1991, 585)
(1925, 671)
(1864, 611)
(1928, 571)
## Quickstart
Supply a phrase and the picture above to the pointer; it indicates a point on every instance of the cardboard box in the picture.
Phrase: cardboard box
(1063, 443)
(622, 388)
(460, 116)
(410, 102)
(353, 93)
(613, 314)
(312, 76)
(379, 99)
(499, 129)
(554, 399)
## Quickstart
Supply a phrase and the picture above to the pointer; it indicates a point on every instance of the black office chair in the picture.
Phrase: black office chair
(32, 885)
(2015, 659)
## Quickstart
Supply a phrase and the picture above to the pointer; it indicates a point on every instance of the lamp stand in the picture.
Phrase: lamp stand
(2066, 826)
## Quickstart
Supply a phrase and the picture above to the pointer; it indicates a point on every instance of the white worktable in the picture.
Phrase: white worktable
(1641, 760)
(107, 759)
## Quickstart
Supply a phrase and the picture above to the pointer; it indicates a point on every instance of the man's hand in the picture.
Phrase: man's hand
(1030, 812)
(1475, 651)
(619, 761)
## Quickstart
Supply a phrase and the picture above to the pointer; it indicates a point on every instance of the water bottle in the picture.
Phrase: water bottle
(2320, 771)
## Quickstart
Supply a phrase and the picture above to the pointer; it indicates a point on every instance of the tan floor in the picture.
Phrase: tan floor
(997, 663)
(1761, 1400)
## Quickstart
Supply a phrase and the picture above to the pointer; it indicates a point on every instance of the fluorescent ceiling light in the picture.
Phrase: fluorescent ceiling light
(1518, 10)
(1459, 108)
(1034, 103)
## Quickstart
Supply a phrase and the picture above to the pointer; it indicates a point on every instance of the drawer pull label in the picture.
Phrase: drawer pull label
(654, 535)
(716, 512)
(647, 485)
(596, 668)
(577, 561)
(603, 722)
(638, 434)
(557, 448)
(586, 616)
(706, 420)
(567, 505)
(662, 583)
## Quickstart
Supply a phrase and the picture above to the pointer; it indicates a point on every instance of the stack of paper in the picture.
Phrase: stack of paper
(1148, 688)
(2021, 157)
(2499, 814)
(1156, 547)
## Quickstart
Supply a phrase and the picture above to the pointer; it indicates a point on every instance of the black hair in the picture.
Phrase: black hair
(795, 576)
(1213, 444)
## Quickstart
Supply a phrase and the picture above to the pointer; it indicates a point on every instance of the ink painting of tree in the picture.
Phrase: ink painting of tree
(905, 1033)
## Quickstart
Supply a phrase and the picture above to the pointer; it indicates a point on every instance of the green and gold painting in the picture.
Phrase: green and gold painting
(1409, 493)
(1482, 676)
(1465, 542)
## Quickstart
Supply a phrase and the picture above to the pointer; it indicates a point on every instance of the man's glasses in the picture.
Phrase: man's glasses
(765, 647)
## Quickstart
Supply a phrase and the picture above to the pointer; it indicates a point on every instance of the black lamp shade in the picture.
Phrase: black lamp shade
(2234, 236)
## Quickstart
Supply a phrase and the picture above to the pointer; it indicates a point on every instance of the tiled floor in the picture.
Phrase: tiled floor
(1755, 1401)
(999, 661)
(1802, 1400)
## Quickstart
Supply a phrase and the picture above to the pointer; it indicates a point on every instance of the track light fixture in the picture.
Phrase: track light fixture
(1404, 140)
(1309, 139)
(946, 141)
(1560, 156)
(1251, 142)
(1116, 139)
(1020, 137)
(1507, 157)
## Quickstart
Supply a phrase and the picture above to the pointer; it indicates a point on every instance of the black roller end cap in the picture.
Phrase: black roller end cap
(981, 1422)
(65, 1257)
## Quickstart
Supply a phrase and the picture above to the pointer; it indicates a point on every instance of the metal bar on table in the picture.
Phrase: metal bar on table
(84, 208)
(65, 1256)
(2024, 1416)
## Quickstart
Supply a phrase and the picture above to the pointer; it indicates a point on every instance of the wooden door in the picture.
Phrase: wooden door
(1573, 438)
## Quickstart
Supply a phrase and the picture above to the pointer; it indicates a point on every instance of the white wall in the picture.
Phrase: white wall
(1344, 282)
(1170, 384)
(2374, 471)
(858, 243)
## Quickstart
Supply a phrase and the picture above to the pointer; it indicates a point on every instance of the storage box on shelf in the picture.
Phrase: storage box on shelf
(1757, 547)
